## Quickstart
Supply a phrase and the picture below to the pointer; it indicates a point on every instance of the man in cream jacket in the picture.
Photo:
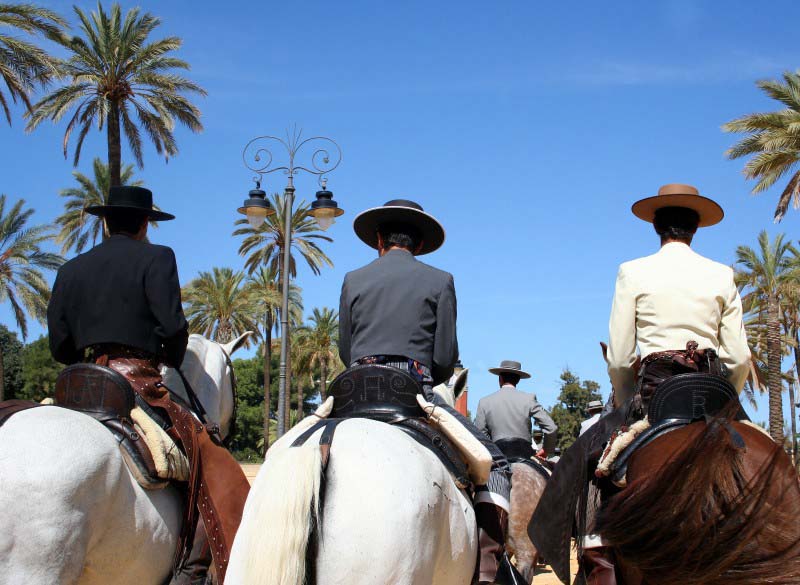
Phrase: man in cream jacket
(675, 296)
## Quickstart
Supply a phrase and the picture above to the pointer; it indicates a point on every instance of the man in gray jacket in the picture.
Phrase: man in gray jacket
(400, 312)
(505, 416)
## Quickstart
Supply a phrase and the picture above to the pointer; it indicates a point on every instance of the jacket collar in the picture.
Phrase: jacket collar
(399, 254)
(671, 247)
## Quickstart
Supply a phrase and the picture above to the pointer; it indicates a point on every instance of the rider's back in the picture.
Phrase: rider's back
(399, 306)
(675, 296)
(121, 292)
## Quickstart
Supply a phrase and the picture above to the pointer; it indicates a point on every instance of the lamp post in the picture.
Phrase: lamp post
(324, 155)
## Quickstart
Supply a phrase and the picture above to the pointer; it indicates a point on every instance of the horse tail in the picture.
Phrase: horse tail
(708, 517)
(282, 508)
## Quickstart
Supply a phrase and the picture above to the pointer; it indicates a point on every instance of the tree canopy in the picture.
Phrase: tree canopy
(570, 410)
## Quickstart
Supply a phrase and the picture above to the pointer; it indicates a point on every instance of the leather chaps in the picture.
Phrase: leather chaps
(217, 487)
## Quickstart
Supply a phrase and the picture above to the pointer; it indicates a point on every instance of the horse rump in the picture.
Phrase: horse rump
(713, 514)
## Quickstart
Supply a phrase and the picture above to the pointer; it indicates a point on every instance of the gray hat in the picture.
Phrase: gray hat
(509, 367)
(594, 405)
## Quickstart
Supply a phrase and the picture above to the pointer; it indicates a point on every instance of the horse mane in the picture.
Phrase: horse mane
(704, 518)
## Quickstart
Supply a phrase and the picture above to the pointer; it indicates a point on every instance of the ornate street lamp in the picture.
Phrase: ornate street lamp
(324, 156)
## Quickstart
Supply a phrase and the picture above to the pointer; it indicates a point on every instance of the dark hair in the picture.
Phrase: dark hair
(510, 378)
(676, 223)
(402, 235)
(125, 221)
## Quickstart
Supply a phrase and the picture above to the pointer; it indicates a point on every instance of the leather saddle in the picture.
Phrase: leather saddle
(389, 395)
(108, 397)
(679, 401)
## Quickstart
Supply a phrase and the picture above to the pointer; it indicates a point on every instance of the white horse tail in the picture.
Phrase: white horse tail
(282, 505)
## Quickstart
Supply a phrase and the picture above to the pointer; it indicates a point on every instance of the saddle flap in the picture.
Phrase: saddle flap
(691, 396)
(95, 390)
(375, 391)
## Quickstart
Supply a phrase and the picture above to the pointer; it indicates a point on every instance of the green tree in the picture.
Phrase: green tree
(570, 410)
(22, 260)
(263, 246)
(248, 440)
(39, 371)
(218, 306)
(78, 228)
(23, 65)
(765, 275)
(122, 81)
(267, 299)
(773, 141)
(318, 344)
(11, 354)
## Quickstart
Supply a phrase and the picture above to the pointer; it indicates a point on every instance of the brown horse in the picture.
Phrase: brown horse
(699, 509)
(527, 486)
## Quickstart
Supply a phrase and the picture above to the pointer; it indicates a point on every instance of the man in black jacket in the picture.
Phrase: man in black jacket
(120, 305)
(124, 291)
(400, 312)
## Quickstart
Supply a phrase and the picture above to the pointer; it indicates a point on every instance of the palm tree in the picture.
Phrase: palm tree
(115, 72)
(263, 246)
(21, 263)
(218, 306)
(23, 65)
(765, 275)
(318, 344)
(265, 291)
(773, 140)
(77, 226)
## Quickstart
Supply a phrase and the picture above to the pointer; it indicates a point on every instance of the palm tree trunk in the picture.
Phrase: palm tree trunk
(2, 378)
(287, 410)
(792, 397)
(323, 383)
(792, 427)
(774, 370)
(299, 399)
(114, 146)
(267, 381)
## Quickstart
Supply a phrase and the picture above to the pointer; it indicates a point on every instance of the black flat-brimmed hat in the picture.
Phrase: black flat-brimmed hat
(431, 232)
(678, 195)
(130, 199)
(509, 367)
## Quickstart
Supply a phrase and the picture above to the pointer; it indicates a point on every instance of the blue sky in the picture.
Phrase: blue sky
(527, 128)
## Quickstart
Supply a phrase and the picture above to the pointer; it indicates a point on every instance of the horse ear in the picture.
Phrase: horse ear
(461, 382)
(231, 347)
(604, 349)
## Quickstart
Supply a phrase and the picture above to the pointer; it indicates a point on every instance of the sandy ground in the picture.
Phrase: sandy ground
(544, 576)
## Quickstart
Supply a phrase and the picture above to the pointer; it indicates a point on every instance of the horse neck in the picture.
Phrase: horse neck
(205, 369)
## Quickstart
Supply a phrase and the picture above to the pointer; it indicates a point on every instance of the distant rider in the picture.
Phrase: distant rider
(505, 415)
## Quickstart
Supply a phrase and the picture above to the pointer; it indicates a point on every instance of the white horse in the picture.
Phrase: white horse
(71, 513)
(392, 514)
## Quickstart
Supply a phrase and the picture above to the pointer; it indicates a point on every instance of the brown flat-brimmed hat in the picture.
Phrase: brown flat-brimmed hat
(431, 232)
(130, 199)
(678, 195)
(509, 367)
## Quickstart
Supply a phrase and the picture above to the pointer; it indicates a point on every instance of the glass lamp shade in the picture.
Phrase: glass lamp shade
(326, 217)
(256, 217)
